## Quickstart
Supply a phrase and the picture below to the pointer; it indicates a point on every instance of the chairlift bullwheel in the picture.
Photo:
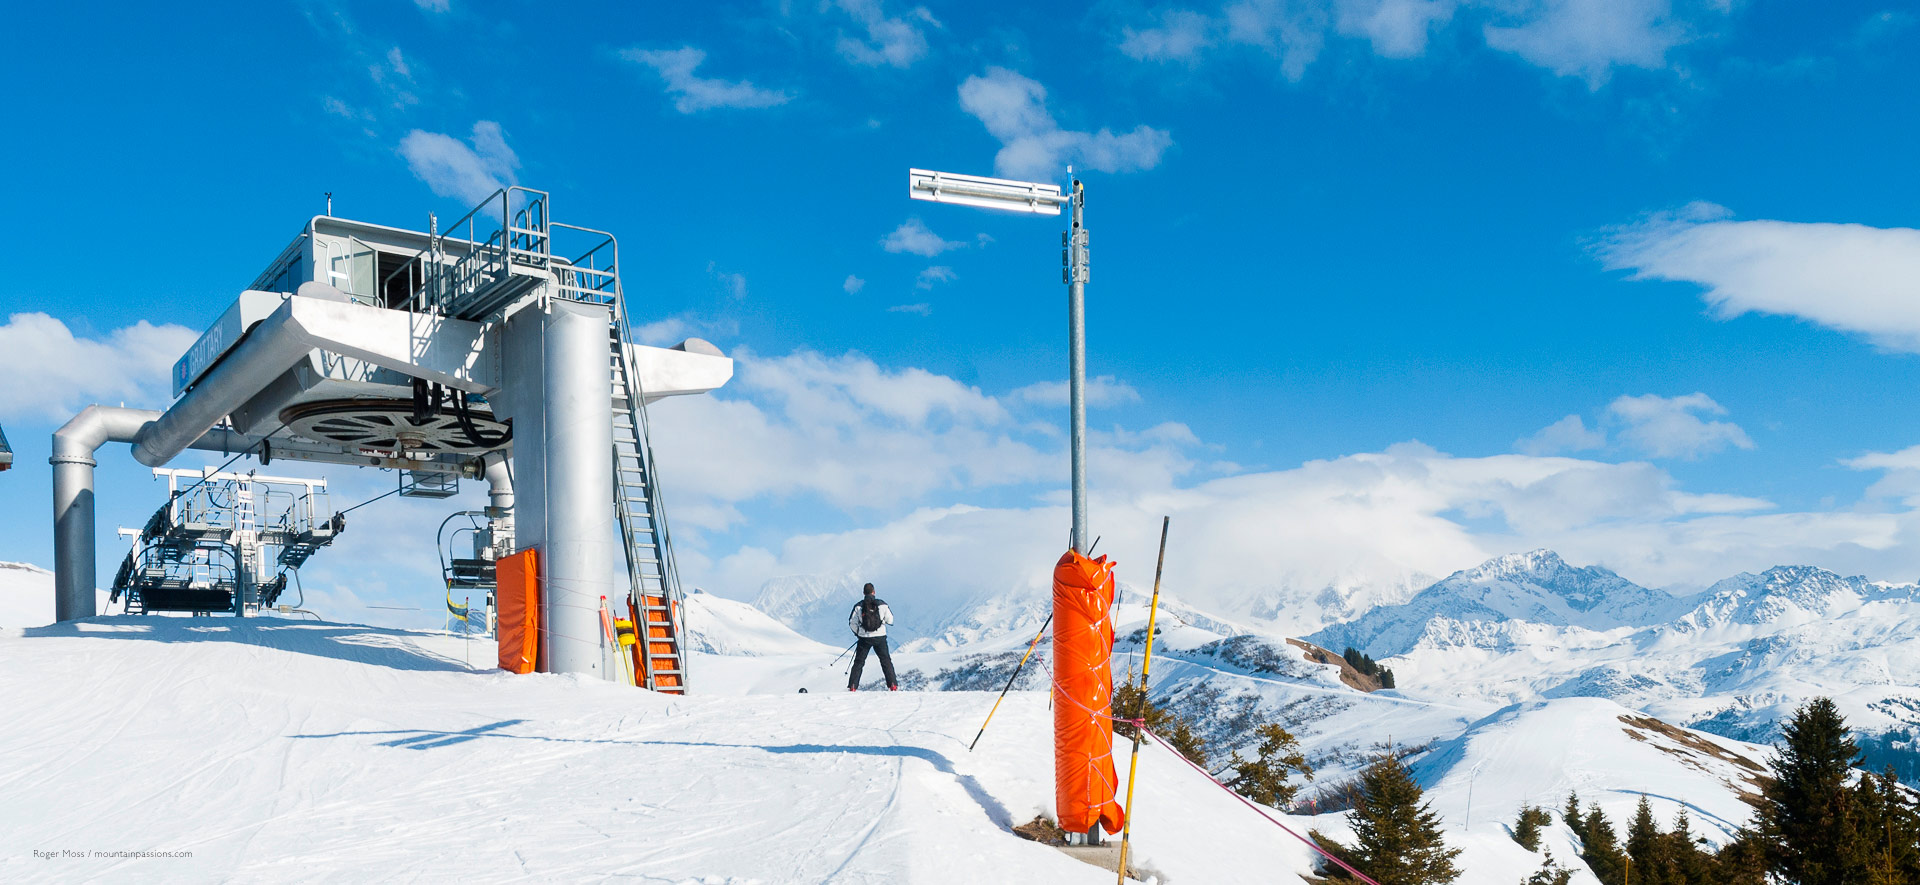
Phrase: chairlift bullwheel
(389, 426)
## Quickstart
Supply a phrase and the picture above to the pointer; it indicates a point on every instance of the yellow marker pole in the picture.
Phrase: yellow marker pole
(1146, 667)
(1009, 686)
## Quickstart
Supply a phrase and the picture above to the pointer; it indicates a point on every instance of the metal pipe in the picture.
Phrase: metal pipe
(499, 474)
(1077, 363)
(74, 445)
(269, 349)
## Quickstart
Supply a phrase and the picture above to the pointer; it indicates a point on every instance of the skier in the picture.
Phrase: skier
(868, 621)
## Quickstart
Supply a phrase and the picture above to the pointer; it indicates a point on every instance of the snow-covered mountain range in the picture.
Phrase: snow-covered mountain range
(1733, 660)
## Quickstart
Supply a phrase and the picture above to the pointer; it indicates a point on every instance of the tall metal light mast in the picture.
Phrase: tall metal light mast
(1039, 199)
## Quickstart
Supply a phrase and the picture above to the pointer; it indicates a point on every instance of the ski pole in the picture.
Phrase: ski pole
(1146, 667)
(843, 652)
(1016, 675)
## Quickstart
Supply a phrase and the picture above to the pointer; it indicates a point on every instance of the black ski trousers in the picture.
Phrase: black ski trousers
(878, 645)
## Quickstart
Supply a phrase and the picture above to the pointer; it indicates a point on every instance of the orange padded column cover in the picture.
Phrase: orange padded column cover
(1084, 781)
(517, 578)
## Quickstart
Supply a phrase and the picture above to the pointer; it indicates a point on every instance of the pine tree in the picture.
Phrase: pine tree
(1130, 701)
(1550, 873)
(1805, 816)
(1396, 834)
(1601, 848)
(1571, 814)
(1741, 862)
(1386, 678)
(1526, 830)
(1649, 849)
(1888, 828)
(1692, 864)
(1264, 779)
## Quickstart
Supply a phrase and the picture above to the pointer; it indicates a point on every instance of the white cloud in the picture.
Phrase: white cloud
(395, 78)
(842, 428)
(1583, 38)
(1667, 427)
(1901, 474)
(434, 5)
(671, 330)
(1590, 38)
(1848, 277)
(922, 308)
(891, 40)
(913, 236)
(1181, 35)
(1396, 28)
(452, 168)
(1364, 523)
(735, 284)
(1569, 434)
(51, 373)
(938, 273)
(692, 93)
(1104, 390)
(1014, 110)
(853, 285)
(1294, 33)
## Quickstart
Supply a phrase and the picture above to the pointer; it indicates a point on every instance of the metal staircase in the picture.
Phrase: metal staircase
(656, 598)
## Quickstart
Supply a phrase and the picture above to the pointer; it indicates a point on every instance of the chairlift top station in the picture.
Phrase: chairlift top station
(498, 348)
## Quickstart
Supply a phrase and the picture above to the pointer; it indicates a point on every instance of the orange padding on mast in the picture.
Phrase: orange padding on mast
(517, 578)
(1084, 781)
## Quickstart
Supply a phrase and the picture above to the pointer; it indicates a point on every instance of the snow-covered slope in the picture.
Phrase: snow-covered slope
(26, 595)
(728, 627)
(1535, 753)
(275, 749)
(298, 751)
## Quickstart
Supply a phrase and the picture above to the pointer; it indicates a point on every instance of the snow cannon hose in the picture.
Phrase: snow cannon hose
(1084, 780)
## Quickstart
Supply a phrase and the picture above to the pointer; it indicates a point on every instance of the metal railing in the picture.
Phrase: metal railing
(476, 252)
(593, 276)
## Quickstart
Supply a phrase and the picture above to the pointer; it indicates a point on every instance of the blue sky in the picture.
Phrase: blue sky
(1420, 231)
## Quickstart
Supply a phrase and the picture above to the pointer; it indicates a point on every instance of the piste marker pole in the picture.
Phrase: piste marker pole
(1146, 668)
(1016, 675)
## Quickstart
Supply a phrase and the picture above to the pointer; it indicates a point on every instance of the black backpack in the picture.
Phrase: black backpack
(870, 615)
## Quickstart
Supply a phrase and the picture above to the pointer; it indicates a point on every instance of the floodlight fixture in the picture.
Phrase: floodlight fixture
(986, 193)
(1039, 199)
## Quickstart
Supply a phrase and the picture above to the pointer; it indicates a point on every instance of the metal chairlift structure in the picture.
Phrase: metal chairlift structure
(497, 348)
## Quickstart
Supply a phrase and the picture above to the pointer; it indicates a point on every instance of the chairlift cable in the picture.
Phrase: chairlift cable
(366, 502)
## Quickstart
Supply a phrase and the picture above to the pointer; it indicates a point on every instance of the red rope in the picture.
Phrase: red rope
(1244, 801)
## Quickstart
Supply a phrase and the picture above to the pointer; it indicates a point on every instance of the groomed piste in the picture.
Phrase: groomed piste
(277, 750)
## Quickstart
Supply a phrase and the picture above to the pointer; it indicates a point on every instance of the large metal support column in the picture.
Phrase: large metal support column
(559, 393)
(73, 447)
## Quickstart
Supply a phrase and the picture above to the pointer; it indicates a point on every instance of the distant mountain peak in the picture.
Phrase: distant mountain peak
(1532, 561)
(1535, 587)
